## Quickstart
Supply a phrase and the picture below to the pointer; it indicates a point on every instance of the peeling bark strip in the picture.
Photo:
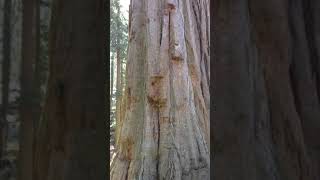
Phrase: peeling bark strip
(167, 117)
(266, 90)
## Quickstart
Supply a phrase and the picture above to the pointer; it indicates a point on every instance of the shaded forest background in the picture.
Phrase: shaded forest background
(15, 71)
(118, 58)
(36, 142)
(11, 17)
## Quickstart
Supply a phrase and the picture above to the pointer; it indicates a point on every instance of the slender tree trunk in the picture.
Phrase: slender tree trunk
(266, 91)
(6, 49)
(71, 143)
(30, 105)
(165, 130)
(118, 85)
(122, 82)
(112, 103)
(38, 69)
(118, 93)
(123, 98)
(112, 73)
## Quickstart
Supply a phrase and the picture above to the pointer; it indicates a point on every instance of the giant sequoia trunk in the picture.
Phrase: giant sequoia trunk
(71, 140)
(165, 130)
(266, 90)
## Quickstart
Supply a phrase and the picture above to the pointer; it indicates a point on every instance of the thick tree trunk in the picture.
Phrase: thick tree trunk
(30, 105)
(71, 143)
(165, 130)
(266, 92)
(6, 49)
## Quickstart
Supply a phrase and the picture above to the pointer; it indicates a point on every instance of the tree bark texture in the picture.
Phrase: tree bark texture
(266, 90)
(71, 140)
(30, 104)
(165, 130)
(6, 50)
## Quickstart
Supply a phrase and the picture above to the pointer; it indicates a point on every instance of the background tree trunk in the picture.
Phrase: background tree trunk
(6, 49)
(112, 79)
(165, 130)
(119, 68)
(266, 90)
(118, 90)
(30, 91)
(71, 143)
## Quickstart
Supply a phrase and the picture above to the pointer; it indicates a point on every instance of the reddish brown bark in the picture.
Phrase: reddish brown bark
(71, 136)
(164, 133)
(266, 90)
(30, 105)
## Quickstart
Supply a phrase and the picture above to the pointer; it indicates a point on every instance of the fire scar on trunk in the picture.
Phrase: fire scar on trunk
(156, 93)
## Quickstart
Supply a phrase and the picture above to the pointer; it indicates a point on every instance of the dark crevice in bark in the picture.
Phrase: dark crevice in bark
(198, 147)
(272, 133)
(253, 62)
(294, 89)
(142, 168)
(309, 27)
(127, 171)
(161, 25)
(300, 164)
(201, 86)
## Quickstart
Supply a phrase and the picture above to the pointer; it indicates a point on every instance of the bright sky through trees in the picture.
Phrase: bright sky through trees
(125, 7)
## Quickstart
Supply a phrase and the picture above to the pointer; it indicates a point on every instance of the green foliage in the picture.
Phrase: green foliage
(118, 30)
